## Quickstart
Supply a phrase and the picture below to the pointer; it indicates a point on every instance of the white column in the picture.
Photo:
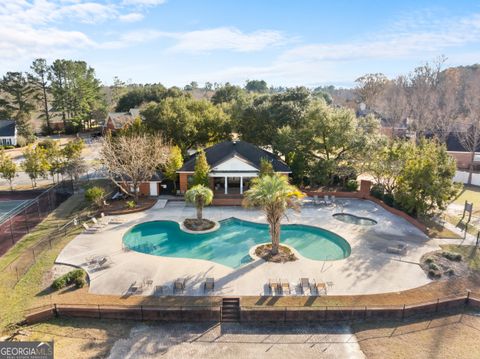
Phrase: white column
(226, 185)
(241, 185)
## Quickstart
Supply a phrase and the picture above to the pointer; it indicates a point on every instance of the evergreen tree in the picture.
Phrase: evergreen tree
(175, 161)
(40, 84)
(200, 176)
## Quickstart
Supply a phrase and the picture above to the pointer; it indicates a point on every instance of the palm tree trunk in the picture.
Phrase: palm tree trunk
(199, 209)
(275, 235)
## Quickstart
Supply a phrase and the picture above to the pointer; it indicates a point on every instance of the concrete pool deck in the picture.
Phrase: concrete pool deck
(368, 270)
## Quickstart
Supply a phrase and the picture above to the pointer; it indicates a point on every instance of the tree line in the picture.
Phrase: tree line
(65, 88)
(44, 159)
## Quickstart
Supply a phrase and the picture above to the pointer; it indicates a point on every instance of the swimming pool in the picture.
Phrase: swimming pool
(352, 219)
(229, 245)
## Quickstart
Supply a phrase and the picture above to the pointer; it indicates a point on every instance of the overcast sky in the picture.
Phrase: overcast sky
(283, 42)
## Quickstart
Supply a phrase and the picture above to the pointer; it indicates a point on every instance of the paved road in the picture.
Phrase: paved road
(238, 341)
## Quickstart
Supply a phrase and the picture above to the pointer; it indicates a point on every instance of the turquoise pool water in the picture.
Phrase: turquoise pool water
(229, 245)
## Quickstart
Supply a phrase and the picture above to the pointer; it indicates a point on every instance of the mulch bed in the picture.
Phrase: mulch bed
(284, 254)
(437, 265)
(195, 224)
(116, 207)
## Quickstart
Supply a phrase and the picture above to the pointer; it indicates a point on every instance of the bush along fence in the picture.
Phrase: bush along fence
(256, 314)
(25, 217)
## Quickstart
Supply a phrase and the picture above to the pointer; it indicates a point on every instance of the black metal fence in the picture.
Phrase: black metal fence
(25, 217)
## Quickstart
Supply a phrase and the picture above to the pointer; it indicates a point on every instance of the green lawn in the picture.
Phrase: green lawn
(470, 254)
(470, 194)
(13, 301)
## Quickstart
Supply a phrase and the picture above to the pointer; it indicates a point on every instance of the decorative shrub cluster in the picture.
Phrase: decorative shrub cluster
(77, 277)
(351, 185)
(452, 256)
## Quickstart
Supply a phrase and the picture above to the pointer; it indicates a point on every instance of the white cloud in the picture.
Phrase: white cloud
(88, 12)
(403, 41)
(143, 2)
(416, 39)
(131, 17)
(203, 40)
(226, 38)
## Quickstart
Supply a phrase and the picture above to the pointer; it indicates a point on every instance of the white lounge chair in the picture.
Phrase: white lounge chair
(89, 229)
(209, 284)
(104, 219)
(273, 286)
(179, 285)
(319, 287)
(97, 224)
(117, 220)
(285, 287)
(315, 200)
(305, 286)
(333, 199)
(326, 200)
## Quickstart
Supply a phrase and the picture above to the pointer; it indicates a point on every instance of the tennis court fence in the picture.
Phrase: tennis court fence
(23, 218)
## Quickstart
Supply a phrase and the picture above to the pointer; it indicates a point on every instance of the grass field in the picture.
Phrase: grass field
(449, 337)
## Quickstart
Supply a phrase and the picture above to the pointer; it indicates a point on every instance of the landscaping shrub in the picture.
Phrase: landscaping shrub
(130, 204)
(434, 273)
(351, 185)
(95, 195)
(433, 266)
(449, 272)
(377, 191)
(389, 199)
(452, 256)
(429, 260)
(77, 277)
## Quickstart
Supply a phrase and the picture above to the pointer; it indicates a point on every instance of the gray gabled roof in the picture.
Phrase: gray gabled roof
(7, 128)
(223, 151)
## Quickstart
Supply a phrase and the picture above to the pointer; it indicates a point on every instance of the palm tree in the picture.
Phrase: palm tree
(274, 195)
(200, 196)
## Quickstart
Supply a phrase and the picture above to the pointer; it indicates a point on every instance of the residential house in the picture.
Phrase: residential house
(8, 133)
(119, 120)
(232, 165)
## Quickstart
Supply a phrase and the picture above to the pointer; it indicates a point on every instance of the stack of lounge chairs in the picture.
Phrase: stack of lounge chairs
(98, 262)
(98, 225)
(400, 249)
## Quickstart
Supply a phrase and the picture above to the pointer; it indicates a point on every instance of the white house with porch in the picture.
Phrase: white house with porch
(232, 165)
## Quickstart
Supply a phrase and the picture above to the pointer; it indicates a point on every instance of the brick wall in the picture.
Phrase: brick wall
(183, 178)
(463, 159)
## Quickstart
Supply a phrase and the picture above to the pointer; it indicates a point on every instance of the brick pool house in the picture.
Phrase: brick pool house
(232, 165)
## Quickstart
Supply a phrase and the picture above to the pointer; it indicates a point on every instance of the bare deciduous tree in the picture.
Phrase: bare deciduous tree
(133, 159)
(369, 87)
(392, 102)
(468, 131)
(421, 93)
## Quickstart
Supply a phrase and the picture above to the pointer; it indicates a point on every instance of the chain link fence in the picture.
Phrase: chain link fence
(26, 216)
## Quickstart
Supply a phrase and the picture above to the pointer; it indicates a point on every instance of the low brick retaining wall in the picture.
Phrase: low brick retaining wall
(335, 313)
(251, 314)
(173, 314)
